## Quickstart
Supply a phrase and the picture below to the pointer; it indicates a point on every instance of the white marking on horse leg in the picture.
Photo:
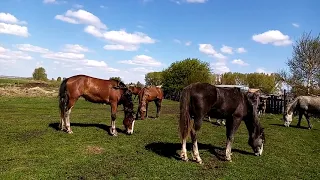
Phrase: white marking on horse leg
(196, 156)
(130, 131)
(183, 154)
(62, 124)
(228, 151)
(113, 130)
(67, 121)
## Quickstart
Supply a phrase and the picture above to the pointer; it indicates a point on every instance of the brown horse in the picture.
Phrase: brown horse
(146, 95)
(200, 99)
(135, 90)
(111, 92)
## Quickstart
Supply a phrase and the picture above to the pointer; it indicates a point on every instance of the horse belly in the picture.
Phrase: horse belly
(95, 99)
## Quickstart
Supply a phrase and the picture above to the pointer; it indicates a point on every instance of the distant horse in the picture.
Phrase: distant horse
(146, 95)
(262, 107)
(111, 92)
(135, 90)
(304, 105)
(198, 99)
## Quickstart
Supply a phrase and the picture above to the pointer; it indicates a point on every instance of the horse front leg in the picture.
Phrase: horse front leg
(299, 120)
(113, 130)
(232, 124)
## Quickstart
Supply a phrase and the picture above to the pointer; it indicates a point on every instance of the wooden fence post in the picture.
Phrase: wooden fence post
(284, 101)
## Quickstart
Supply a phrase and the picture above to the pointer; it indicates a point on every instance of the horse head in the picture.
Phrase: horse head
(287, 118)
(126, 99)
(257, 141)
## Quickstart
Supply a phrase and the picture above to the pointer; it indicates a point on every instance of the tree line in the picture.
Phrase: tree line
(303, 73)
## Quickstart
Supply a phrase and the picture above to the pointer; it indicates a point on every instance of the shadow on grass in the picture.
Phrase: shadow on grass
(169, 150)
(294, 126)
(101, 126)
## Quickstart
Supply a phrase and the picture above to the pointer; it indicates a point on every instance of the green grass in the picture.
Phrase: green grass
(31, 147)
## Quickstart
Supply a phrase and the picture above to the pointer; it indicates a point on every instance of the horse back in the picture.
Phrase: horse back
(93, 89)
(217, 102)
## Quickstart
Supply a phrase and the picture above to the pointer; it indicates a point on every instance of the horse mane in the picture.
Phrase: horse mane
(292, 105)
(120, 84)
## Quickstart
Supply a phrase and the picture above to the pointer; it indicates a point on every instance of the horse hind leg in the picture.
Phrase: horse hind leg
(308, 120)
(195, 150)
(67, 116)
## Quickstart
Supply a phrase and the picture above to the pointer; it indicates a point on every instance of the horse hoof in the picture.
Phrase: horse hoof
(228, 158)
(69, 132)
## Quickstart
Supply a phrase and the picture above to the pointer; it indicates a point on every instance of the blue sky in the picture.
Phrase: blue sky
(129, 38)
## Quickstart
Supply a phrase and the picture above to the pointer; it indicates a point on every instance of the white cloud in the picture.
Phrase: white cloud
(78, 6)
(219, 67)
(81, 17)
(177, 41)
(295, 25)
(226, 49)
(75, 48)
(63, 56)
(274, 37)
(129, 40)
(31, 48)
(10, 19)
(13, 29)
(239, 62)
(262, 70)
(188, 43)
(53, 2)
(7, 55)
(122, 37)
(9, 25)
(49, 1)
(142, 69)
(241, 50)
(102, 6)
(196, 1)
(142, 60)
(209, 50)
(120, 47)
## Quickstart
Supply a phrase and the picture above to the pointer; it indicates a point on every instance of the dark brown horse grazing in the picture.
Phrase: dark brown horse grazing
(199, 99)
(95, 90)
(146, 95)
(135, 90)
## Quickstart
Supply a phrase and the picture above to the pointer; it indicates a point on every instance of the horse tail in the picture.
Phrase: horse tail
(63, 96)
(185, 119)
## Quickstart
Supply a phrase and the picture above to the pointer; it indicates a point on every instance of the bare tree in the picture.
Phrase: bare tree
(304, 65)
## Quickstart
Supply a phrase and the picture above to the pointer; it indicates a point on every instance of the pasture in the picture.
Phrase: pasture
(31, 147)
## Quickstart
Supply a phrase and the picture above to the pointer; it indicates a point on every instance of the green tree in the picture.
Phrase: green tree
(182, 73)
(304, 65)
(153, 78)
(139, 84)
(116, 78)
(39, 74)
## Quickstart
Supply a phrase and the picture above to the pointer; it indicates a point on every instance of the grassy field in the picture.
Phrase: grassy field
(32, 148)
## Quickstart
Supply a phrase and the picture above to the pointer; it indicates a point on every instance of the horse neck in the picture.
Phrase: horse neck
(292, 106)
(253, 126)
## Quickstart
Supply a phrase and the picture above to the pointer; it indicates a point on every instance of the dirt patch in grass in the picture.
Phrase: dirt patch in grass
(27, 92)
(94, 150)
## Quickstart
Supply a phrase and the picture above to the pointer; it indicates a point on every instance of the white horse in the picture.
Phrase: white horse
(304, 105)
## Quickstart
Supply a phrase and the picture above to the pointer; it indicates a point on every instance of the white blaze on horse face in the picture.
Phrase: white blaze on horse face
(130, 131)
(260, 150)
